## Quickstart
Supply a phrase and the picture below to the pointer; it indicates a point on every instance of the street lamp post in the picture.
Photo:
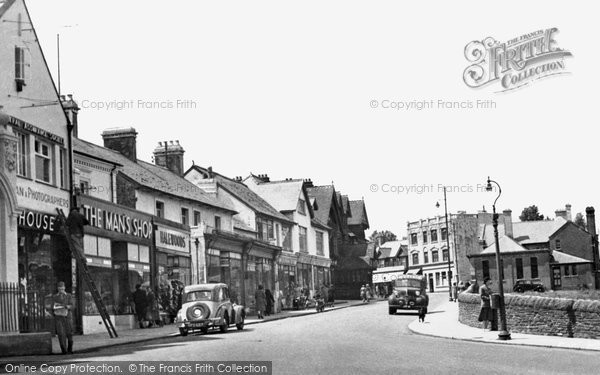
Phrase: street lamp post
(503, 334)
(447, 246)
(197, 243)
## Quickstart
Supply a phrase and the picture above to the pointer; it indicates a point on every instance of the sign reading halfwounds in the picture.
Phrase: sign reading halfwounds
(172, 239)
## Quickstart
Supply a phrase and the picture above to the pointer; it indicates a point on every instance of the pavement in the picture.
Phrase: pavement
(443, 322)
(92, 342)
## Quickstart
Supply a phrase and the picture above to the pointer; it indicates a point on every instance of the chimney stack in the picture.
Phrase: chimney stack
(508, 224)
(71, 108)
(591, 220)
(170, 155)
(308, 183)
(569, 217)
(561, 213)
(122, 140)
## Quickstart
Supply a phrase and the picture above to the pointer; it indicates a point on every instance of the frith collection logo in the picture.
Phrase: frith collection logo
(515, 63)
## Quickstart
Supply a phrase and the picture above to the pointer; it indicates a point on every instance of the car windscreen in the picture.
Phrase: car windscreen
(407, 283)
(198, 295)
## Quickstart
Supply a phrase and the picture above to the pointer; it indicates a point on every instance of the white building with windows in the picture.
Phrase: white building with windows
(428, 251)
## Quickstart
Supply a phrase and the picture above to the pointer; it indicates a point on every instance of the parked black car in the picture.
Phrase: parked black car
(523, 285)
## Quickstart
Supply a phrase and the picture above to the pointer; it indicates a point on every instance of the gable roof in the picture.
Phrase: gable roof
(151, 176)
(244, 194)
(530, 232)
(562, 258)
(507, 245)
(282, 195)
(391, 248)
(324, 195)
(359, 214)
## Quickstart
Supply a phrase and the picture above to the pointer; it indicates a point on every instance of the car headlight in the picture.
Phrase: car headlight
(417, 293)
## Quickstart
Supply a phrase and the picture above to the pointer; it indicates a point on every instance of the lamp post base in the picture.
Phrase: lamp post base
(503, 335)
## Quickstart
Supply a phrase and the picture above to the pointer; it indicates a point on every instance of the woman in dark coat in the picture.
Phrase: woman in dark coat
(261, 301)
(485, 315)
(151, 308)
(270, 302)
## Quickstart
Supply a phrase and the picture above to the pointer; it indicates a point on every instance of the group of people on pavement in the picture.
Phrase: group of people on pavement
(264, 302)
(146, 307)
(366, 293)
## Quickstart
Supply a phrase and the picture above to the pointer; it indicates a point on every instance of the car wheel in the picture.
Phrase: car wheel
(392, 311)
(240, 325)
(183, 331)
(204, 330)
(223, 327)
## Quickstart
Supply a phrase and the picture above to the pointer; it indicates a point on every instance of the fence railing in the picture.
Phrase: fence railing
(21, 309)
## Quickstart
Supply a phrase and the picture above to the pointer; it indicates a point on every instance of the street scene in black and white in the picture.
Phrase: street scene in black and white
(290, 188)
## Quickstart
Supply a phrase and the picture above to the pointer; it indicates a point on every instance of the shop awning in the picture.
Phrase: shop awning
(414, 271)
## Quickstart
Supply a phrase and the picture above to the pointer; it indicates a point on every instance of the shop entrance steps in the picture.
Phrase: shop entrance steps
(82, 264)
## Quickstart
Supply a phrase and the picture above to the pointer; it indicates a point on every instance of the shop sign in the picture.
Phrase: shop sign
(40, 196)
(172, 239)
(112, 218)
(36, 220)
(35, 130)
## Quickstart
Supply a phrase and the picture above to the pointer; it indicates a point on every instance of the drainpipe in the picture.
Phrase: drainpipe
(112, 184)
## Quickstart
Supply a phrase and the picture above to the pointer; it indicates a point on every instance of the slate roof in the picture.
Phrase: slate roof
(324, 196)
(529, 232)
(359, 214)
(246, 195)
(282, 195)
(507, 245)
(150, 175)
(390, 249)
(562, 258)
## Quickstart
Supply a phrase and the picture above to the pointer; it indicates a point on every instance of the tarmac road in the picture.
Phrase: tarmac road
(357, 340)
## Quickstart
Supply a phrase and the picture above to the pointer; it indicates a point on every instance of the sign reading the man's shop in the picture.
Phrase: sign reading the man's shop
(116, 219)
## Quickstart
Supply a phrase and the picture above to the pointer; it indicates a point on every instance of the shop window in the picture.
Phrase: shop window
(196, 218)
(303, 239)
(320, 250)
(104, 247)
(444, 278)
(519, 264)
(133, 252)
(90, 245)
(43, 161)
(144, 254)
(185, 216)
(23, 154)
(160, 209)
(437, 278)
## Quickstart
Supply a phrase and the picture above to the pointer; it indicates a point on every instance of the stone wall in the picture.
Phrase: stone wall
(539, 315)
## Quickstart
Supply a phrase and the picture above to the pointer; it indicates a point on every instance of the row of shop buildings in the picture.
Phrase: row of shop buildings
(150, 223)
(556, 252)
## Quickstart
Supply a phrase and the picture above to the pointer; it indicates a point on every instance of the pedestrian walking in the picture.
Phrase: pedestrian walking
(261, 301)
(270, 302)
(363, 293)
(151, 308)
(454, 292)
(60, 307)
(369, 293)
(485, 315)
(75, 223)
(331, 297)
(140, 302)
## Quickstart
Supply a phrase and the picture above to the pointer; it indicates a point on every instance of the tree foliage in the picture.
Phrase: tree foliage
(580, 221)
(531, 213)
(385, 236)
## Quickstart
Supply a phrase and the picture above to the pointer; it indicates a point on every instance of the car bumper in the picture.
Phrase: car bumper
(406, 305)
(201, 323)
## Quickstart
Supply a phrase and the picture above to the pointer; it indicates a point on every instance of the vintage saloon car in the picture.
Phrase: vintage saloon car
(207, 306)
(409, 293)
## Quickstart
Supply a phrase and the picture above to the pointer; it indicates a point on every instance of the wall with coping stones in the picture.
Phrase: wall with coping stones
(539, 315)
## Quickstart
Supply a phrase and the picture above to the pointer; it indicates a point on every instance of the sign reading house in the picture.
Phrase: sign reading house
(172, 239)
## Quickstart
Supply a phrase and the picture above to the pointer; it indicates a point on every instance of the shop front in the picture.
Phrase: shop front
(313, 272)
(287, 278)
(173, 261)
(117, 246)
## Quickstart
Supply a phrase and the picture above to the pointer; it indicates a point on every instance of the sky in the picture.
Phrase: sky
(313, 90)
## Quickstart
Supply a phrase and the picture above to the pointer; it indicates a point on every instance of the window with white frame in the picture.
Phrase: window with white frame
(185, 216)
(320, 250)
(303, 239)
(302, 206)
(20, 67)
(415, 258)
(196, 218)
(265, 229)
(23, 154)
(43, 161)
(160, 209)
